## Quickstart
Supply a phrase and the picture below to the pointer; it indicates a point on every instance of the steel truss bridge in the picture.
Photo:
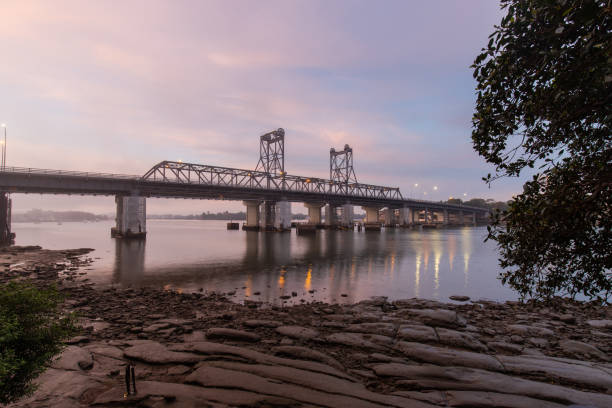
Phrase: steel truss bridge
(269, 182)
(171, 179)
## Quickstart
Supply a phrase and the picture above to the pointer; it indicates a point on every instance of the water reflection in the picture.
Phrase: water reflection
(190, 255)
(129, 268)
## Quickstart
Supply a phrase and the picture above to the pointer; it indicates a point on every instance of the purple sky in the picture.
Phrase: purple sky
(119, 86)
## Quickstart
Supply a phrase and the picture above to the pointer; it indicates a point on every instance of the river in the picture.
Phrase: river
(331, 266)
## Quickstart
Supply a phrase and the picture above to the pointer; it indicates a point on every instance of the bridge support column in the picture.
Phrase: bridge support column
(6, 236)
(371, 222)
(252, 215)
(314, 213)
(282, 216)
(461, 218)
(268, 216)
(347, 216)
(390, 217)
(445, 215)
(406, 217)
(474, 218)
(331, 216)
(131, 218)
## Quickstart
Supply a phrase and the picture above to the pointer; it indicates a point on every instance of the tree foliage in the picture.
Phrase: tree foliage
(544, 102)
(32, 329)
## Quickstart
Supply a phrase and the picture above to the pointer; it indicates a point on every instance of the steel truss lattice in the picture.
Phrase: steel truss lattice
(341, 167)
(189, 173)
(272, 153)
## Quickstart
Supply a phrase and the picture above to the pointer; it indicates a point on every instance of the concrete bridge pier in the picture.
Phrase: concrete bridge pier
(371, 223)
(6, 236)
(347, 216)
(252, 215)
(445, 217)
(282, 216)
(331, 216)
(267, 216)
(390, 218)
(406, 217)
(131, 217)
(314, 213)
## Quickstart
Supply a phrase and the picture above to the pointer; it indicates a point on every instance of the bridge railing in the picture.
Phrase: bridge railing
(189, 173)
(186, 173)
(31, 170)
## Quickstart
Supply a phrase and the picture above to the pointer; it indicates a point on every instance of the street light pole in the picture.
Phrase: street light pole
(4, 148)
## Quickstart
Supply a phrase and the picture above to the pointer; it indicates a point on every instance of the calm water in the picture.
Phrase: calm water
(188, 255)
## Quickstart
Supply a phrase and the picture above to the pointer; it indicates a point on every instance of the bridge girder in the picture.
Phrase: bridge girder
(190, 173)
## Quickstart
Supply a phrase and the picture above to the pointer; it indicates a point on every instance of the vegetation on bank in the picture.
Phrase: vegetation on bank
(36, 215)
(32, 331)
(488, 203)
(544, 106)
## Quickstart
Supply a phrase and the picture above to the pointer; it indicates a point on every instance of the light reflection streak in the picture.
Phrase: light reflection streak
(308, 282)
(437, 256)
(467, 252)
(466, 262)
(452, 248)
(248, 285)
(281, 278)
(417, 276)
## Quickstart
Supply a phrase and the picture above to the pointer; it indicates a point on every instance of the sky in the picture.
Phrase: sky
(117, 87)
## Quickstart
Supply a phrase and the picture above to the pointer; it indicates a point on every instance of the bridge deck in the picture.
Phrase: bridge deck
(179, 180)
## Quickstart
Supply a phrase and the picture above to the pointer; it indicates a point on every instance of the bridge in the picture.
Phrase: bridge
(267, 192)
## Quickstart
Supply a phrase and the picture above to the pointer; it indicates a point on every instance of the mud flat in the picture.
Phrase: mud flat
(201, 349)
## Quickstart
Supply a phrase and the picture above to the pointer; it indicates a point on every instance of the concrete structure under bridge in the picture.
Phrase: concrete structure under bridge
(267, 192)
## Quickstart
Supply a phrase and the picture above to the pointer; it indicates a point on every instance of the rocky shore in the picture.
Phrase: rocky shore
(202, 350)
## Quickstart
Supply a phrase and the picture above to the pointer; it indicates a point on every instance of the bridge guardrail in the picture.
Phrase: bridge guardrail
(32, 170)
(300, 184)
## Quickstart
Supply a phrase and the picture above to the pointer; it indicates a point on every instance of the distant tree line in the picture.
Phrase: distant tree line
(37, 215)
(482, 203)
(225, 215)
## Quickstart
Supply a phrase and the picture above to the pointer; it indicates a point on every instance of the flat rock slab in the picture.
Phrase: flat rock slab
(156, 353)
(222, 351)
(60, 388)
(459, 339)
(74, 358)
(464, 379)
(438, 317)
(231, 334)
(369, 341)
(314, 381)
(448, 357)
(459, 298)
(262, 323)
(533, 331)
(297, 332)
(387, 329)
(194, 336)
(569, 371)
(183, 395)
(503, 347)
(580, 349)
(155, 327)
(600, 324)
(257, 382)
(108, 351)
(305, 353)
(495, 399)
(417, 332)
